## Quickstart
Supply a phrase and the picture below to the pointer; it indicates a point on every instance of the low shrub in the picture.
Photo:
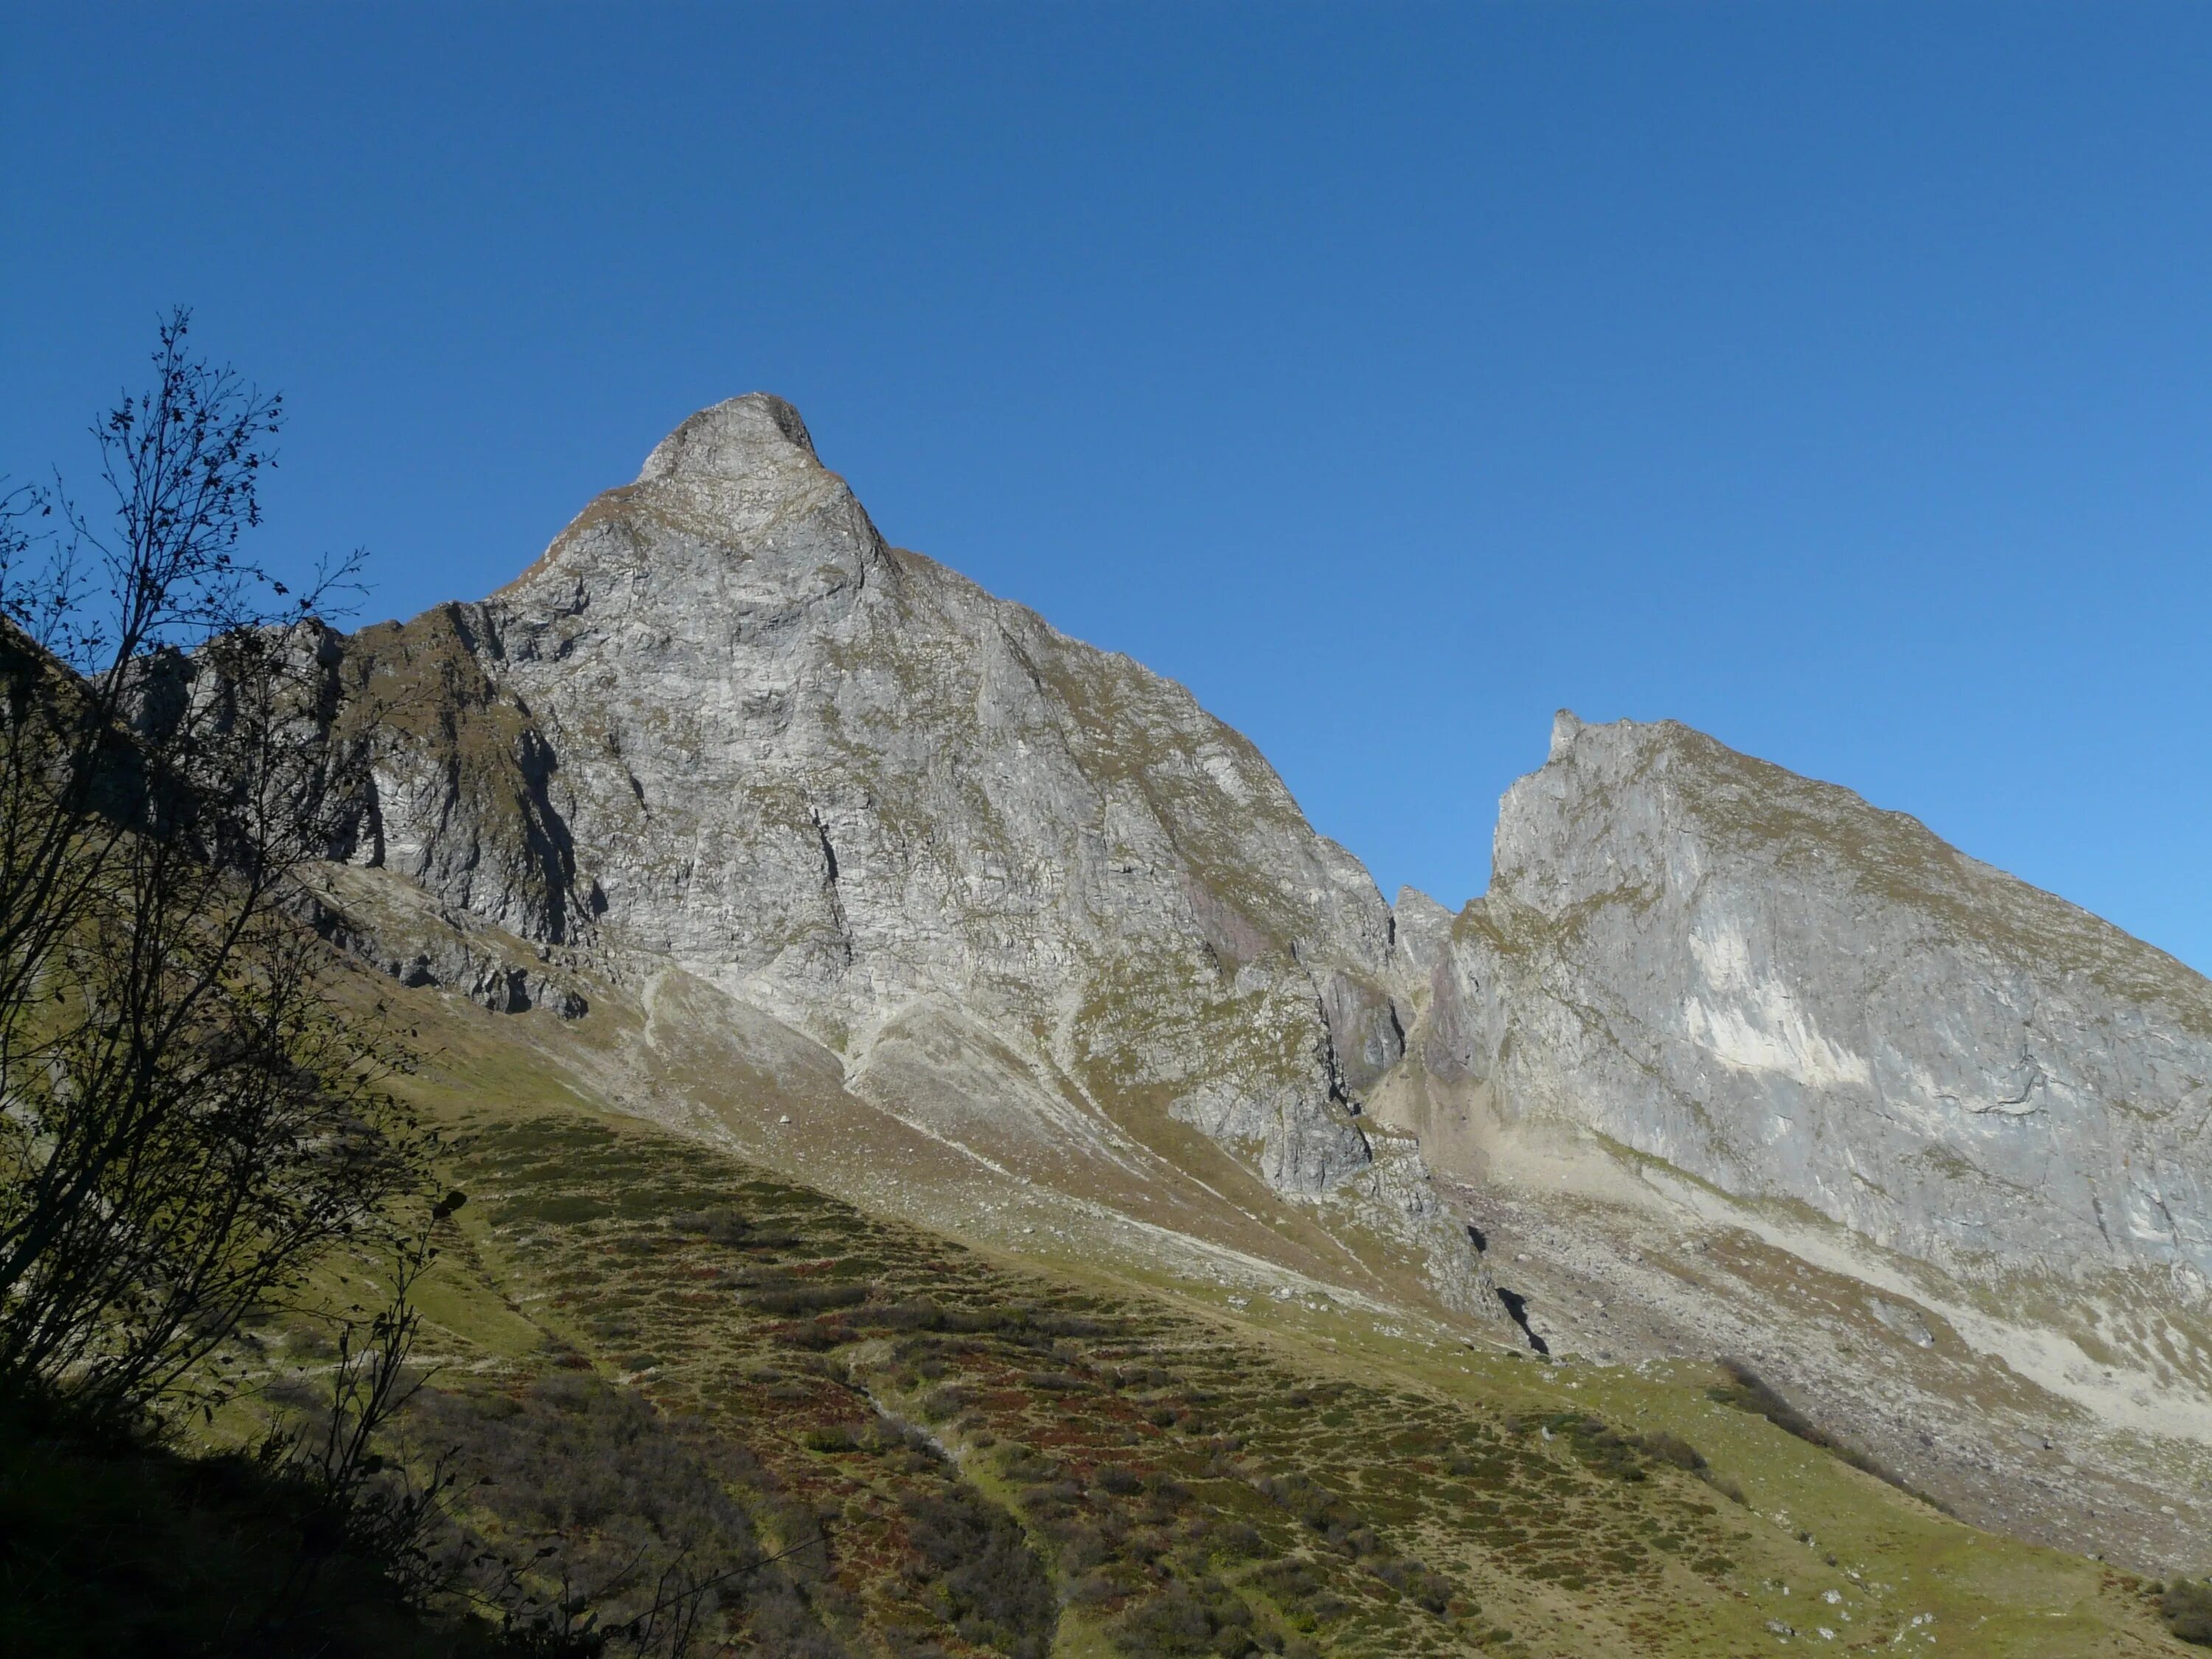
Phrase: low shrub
(1054, 1383)
(1290, 1580)
(575, 1481)
(946, 1400)
(1094, 1590)
(983, 1575)
(2186, 1608)
(718, 1226)
(1052, 1496)
(818, 1336)
(915, 1313)
(1666, 1447)
(808, 1298)
(1186, 1620)
(1599, 1446)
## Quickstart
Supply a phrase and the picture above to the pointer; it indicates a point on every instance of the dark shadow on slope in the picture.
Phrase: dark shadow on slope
(1747, 1391)
(114, 1545)
(1516, 1309)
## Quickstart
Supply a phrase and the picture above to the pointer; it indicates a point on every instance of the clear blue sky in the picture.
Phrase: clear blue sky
(1836, 377)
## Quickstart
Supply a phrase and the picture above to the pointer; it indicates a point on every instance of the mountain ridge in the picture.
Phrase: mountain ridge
(723, 726)
(836, 849)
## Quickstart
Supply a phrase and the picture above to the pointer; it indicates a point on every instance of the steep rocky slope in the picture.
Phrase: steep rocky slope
(1777, 988)
(1702, 990)
(724, 743)
(802, 845)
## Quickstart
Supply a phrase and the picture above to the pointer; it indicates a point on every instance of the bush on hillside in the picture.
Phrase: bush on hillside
(984, 1576)
(2187, 1609)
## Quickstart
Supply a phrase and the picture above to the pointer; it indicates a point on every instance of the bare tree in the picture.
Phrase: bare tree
(186, 1120)
(331, 1451)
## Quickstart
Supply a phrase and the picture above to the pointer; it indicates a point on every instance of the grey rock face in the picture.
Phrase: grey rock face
(404, 932)
(1420, 931)
(723, 725)
(1770, 984)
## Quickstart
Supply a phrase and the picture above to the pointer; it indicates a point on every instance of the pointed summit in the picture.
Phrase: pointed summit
(736, 485)
(738, 438)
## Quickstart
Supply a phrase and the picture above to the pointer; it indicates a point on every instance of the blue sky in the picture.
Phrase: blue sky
(1835, 378)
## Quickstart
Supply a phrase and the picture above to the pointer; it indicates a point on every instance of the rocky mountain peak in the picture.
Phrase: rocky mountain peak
(1025, 891)
(733, 520)
(739, 438)
(832, 851)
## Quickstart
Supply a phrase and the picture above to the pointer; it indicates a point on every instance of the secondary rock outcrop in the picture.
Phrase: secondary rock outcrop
(1783, 991)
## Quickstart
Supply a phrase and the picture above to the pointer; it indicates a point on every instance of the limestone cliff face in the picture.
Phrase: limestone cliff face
(841, 859)
(722, 724)
(1770, 984)
(721, 727)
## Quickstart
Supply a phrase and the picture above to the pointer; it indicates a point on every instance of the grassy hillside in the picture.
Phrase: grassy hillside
(664, 1364)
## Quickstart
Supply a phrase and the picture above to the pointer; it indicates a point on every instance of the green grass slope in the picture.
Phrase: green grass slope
(869, 1439)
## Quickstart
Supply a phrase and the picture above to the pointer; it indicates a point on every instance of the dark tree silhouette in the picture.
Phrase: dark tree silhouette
(187, 1123)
